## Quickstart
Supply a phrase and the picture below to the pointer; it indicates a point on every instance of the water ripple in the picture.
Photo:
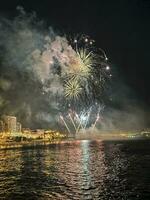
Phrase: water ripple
(76, 170)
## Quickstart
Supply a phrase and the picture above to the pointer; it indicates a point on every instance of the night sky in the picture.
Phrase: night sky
(121, 27)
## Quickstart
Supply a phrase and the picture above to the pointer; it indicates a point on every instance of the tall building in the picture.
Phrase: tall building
(10, 123)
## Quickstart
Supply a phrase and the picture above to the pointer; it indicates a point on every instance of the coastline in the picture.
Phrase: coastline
(39, 143)
(27, 144)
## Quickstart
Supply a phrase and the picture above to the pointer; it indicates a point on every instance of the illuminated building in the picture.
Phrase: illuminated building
(10, 123)
(18, 127)
(1, 126)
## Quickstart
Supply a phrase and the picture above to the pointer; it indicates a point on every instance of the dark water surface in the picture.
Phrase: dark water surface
(77, 170)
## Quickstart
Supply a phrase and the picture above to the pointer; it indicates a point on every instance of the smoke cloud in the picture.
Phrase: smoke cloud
(32, 62)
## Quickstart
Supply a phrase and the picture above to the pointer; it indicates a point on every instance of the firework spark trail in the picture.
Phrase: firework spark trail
(62, 118)
(88, 116)
(80, 123)
(72, 122)
(98, 115)
(97, 118)
(83, 118)
(78, 128)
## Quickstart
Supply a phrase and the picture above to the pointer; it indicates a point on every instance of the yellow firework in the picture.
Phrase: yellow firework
(81, 64)
(72, 89)
(86, 58)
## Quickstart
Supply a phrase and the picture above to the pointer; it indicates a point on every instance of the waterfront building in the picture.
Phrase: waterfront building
(10, 123)
(1, 126)
(18, 127)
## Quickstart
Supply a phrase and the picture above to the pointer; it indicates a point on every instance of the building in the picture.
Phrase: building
(1, 126)
(18, 127)
(10, 123)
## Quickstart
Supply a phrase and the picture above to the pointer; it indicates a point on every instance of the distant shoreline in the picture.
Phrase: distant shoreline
(37, 143)
(34, 143)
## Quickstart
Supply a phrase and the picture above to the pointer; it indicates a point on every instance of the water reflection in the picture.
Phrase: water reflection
(69, 170)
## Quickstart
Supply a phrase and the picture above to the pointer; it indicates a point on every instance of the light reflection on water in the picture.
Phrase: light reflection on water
(76, 170)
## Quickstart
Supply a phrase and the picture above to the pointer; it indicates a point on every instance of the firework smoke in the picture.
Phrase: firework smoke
(41, 72)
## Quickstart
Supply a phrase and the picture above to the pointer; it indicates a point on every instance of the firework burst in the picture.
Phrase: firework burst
(81, 64)
(72, 89)
(87, 72)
